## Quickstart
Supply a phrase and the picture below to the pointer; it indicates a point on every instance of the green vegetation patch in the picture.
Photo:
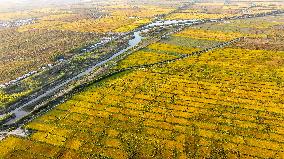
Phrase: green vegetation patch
(190, 42)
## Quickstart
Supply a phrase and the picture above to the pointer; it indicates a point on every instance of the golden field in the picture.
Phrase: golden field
(119, 19)
(225, 103)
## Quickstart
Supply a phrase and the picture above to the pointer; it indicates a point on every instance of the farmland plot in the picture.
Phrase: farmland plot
(224, 103)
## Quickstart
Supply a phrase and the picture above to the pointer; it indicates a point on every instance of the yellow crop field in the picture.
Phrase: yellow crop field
(257, 23)
(213, 90)
(225, 103)
(106, 24)
(196, 15)
(120, 19)
(4, 98)
(144, 57)
(141, 11)
(209, 35)
(16, 15)
(7, 98)
(30, 14)
(132, 26)
(210, 4)
(171, 48)
(100, 25)
(41, 25)
(56, 17)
